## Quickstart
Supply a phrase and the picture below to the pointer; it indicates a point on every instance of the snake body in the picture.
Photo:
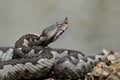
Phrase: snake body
(74, 67)
(32, 58)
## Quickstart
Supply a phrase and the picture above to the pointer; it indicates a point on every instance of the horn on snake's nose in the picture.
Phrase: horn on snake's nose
(66, 20)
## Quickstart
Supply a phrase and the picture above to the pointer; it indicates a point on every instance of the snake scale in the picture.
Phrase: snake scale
(32, 58)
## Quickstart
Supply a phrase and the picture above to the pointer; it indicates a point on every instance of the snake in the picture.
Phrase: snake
(31, 57)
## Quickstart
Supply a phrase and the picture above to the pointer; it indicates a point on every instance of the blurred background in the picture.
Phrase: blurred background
(93, 24)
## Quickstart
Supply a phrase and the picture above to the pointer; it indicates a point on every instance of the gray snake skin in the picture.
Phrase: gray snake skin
(32, 58)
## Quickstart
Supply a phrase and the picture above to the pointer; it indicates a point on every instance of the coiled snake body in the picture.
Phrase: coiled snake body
(32, 58)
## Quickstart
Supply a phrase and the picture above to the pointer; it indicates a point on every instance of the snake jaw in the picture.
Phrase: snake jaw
(61, 28)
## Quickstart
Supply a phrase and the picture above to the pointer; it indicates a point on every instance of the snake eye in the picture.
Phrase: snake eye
(65, 22)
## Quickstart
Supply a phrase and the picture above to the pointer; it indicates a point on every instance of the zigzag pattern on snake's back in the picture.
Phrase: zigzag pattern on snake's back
(32, 58)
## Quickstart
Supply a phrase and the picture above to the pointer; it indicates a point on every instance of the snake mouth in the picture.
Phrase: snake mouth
(60, 30)
(60, 27)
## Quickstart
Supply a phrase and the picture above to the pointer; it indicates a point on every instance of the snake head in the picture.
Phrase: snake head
(53, 32)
